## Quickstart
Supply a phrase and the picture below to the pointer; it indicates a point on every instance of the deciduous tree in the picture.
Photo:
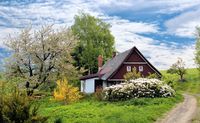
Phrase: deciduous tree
(95, 39)
(178, 68)
(41, 56)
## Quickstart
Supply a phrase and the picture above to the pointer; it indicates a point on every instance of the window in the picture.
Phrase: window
(128, 68)
(140, 68)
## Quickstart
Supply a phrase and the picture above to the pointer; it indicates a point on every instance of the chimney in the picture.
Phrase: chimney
(100, 62)
(114, 54)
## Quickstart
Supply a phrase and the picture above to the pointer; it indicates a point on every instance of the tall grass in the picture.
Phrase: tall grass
(143, 110)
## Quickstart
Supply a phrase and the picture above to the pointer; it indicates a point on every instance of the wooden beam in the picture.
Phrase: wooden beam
(115, 79)
(134, 63)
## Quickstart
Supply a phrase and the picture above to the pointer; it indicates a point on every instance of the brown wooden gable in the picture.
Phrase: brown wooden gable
(134, 59)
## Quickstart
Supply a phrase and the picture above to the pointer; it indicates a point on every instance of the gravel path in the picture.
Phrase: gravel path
(183, 113)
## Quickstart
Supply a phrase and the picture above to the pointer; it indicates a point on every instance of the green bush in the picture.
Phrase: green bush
(16, 108)
(170, 80)
(152, 76)
(132, 75)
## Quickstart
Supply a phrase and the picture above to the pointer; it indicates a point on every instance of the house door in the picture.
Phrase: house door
(98, 84)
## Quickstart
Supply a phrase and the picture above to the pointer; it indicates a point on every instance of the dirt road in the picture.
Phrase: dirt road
(183, 113)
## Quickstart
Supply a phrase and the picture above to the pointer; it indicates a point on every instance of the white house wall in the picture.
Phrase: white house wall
(89, 85)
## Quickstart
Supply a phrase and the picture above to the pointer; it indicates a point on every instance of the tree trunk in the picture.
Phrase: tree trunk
(181, 78)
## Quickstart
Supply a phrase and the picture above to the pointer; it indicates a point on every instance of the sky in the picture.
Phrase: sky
(162, 30)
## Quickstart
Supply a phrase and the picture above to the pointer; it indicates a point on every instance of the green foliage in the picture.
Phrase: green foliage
(7, 85)
(132, 75)
(178, 68)
(197, 48)
(153, 76)
(192, 84)
(16, 107)
(170, 79)
(95, 39)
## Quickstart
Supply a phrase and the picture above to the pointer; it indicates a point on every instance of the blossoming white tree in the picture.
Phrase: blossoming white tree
(40, 56)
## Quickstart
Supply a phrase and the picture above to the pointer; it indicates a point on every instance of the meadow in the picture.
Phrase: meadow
(89, 110)
(141, 110)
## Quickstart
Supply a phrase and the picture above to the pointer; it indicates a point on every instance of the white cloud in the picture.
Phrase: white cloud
(4, 33)
(132, 27)
(162, 56)
(159, 6)
(184, 24)
(125, 32)
(171, 6)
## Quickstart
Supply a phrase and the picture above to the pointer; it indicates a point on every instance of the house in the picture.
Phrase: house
(113, 70)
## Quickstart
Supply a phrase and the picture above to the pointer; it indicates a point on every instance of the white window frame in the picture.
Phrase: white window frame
(128, 68)
(141, 68)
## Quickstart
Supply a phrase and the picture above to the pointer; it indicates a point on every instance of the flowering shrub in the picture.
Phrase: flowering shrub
(141, 87)
(65, 92)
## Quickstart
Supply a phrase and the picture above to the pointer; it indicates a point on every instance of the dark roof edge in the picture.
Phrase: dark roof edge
(158, 72)
(89, 76)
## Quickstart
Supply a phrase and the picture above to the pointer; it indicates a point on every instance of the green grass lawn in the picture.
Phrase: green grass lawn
(92, 111)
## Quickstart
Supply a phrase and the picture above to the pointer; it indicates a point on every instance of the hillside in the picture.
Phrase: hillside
(191, 86)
